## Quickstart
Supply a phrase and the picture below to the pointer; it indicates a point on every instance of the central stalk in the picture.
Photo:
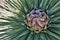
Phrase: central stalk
(37, 20)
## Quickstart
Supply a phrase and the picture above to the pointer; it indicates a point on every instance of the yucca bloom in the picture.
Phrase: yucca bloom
(32, 20)
(37, 20)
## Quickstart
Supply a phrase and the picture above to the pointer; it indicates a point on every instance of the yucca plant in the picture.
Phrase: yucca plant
(33, 20)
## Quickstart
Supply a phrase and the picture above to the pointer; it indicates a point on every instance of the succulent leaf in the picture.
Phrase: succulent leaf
(33, 20)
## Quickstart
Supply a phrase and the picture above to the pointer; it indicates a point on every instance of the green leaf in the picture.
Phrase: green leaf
(51, 3)
(23, 37)
(47, 36)
(19, 30)
(7, 1)
(6, 9)
(22, 7)
(5, 29)
(54, 8)
(22, 34)
(13, 19)
(14, 33)
(25, 4)
(11, 1)
(30, 37)
(53, 34)
(36, 36)
(44, 4)
(48, 4)
(36, 4)
(55, 30)
(4, 23)
(55, 26)
(54, 15)
(30, 4)
(55, 20)
(52, 38)
(43, 36)
(14, 4)
(7, 19)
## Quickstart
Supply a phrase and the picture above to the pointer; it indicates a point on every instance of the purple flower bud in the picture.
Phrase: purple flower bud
(33, 11)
